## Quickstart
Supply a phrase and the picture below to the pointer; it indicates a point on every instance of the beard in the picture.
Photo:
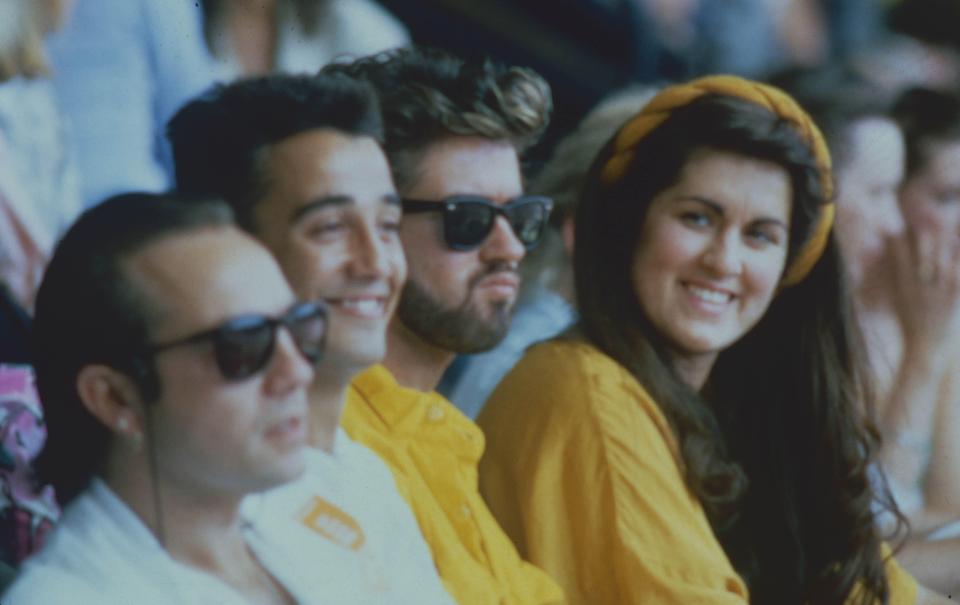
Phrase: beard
(461, 329)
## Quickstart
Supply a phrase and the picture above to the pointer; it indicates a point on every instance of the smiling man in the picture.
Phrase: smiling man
(453, 133)
(298, 159)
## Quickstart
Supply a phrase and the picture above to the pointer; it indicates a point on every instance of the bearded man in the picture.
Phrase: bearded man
(454, 130)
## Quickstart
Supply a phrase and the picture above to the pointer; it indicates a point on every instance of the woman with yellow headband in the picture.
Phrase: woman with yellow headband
(698, 438)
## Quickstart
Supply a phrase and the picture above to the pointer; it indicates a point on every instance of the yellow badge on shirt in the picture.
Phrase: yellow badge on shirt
(334, 524)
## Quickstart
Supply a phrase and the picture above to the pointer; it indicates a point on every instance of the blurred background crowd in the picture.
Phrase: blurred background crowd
(87, 87)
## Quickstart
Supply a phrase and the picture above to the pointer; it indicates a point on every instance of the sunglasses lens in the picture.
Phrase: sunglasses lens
(243, 347)
(308, 326)
(528, 219)
(467, 224)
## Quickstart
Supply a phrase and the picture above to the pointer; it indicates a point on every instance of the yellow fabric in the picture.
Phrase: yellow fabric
(581, 471)
(671, 98)
(903, 588)
(433, 451)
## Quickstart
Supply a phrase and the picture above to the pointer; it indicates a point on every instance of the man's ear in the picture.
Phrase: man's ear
(113, 398)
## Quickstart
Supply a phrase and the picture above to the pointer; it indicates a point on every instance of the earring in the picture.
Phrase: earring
(134, 438)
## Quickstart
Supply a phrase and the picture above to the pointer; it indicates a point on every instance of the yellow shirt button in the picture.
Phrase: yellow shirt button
(435, 413)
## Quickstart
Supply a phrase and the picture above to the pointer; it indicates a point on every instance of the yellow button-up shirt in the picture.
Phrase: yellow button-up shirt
(433, 451)
(581, 471)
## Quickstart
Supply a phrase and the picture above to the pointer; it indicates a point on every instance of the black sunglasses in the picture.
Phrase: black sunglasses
(469, 219)
(244, 345)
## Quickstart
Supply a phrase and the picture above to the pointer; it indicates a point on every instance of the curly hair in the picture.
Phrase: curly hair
(776, 447)
(427, 94)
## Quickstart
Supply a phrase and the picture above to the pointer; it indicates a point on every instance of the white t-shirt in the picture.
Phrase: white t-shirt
(100, 552)
(349, 530)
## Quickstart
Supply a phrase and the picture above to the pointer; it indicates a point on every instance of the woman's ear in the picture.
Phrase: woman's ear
(114, 399)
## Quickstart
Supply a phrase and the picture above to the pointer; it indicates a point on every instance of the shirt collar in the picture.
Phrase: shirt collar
(390, 401)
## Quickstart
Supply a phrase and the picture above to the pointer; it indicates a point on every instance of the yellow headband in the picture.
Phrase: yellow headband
(777, 101)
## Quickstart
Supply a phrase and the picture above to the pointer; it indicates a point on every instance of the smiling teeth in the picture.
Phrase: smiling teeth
(711, 296)
(364, 305)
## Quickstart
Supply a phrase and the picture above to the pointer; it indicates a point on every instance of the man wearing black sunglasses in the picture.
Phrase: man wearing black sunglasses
(172, 360)
(453, 133)
(298, 159)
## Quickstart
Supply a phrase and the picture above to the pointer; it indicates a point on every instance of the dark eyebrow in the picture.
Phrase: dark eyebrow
(706, 202)
(719, 210)
(336, 199)
(772, 221)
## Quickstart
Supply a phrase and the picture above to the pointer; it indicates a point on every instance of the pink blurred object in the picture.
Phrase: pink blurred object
(27, 509)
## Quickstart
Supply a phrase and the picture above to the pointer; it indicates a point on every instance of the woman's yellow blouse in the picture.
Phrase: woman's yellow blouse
(581, 471)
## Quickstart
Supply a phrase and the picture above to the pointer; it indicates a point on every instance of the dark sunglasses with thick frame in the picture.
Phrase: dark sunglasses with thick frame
(469, 219)
(244, 345)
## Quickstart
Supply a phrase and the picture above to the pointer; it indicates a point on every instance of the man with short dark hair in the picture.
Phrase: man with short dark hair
(453, 133)
(299, 160)
(172, 359)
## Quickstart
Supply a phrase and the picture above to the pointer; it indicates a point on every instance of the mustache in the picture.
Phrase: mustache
(512, 268)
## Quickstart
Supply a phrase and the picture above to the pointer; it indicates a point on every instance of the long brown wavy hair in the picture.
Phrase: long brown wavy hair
(777, 445)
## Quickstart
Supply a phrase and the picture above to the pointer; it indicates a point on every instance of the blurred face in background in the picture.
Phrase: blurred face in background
(868, 212)
(930, 198)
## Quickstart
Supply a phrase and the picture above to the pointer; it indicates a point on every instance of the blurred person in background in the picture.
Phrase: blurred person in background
(916, 350)
(907, 296)
(39, 198)
(545, 304)
(39, 191)
(755, 37)
(121, 68)
(919, 46)
(256, 37)
(867, 148)
(758, 37)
